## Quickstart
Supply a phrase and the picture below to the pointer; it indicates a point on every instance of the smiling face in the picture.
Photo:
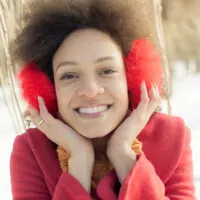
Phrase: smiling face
(90, 83)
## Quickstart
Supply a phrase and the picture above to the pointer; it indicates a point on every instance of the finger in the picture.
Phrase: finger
(35, 118)
(157, 92)
(159, 99)
(33, 112)
(144, 99)
(44, 113)
(153, 93)
(154, 102)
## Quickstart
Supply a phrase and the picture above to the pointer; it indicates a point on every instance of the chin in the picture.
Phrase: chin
(94, 134)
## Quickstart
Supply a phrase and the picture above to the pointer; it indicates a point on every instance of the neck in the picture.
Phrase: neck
(100, 144)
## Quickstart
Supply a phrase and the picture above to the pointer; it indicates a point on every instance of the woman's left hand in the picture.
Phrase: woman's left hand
(119, 145)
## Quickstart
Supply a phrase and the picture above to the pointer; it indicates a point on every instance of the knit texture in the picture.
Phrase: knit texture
(101, 165)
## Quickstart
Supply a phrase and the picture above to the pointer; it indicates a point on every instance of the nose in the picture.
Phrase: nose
(90, 88)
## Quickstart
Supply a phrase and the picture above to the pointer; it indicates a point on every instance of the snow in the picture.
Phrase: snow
(185, 103)
(7, 135)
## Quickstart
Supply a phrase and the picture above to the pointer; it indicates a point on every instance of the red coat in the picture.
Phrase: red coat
(163, 172)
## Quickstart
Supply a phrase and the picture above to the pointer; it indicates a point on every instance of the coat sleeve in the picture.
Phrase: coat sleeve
(27, 180)
(143, 183)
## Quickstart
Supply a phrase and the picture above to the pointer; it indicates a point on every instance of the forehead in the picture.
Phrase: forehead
(87, 45)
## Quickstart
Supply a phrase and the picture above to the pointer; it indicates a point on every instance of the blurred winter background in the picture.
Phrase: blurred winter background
(181, 25)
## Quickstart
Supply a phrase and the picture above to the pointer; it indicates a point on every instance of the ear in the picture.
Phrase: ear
(33, 83)
(143, 63)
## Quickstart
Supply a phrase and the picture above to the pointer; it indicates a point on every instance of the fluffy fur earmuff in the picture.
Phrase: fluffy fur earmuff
(33, 83)
(143, 63)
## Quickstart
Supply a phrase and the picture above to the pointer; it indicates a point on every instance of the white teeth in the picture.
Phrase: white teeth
(92, 110)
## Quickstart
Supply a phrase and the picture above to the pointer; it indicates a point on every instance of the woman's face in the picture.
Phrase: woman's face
(90, 83)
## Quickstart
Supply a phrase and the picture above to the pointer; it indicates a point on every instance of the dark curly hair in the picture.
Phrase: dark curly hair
(48, 23)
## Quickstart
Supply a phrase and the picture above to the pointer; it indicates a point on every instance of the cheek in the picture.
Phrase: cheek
(119, 88)
(63, 94)
(119, 91)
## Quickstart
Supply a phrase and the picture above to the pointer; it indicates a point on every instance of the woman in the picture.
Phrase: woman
(93, 89)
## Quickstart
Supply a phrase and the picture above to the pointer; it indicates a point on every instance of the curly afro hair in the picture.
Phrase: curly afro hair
(48, 23)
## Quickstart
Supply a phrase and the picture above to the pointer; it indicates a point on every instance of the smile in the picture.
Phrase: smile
(93, 111)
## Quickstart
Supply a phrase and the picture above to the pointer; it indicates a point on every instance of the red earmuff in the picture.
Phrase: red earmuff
(143, 63)
(33, 83)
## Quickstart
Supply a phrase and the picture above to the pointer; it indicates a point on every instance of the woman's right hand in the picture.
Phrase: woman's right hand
(59, 132)
(79, 147)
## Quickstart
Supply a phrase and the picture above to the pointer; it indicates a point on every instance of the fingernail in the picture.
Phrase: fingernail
(156, 86)
(153, 88)
(143, 84)
(39, 98)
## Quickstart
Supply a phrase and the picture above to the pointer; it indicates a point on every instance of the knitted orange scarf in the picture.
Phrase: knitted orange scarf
(101, 165)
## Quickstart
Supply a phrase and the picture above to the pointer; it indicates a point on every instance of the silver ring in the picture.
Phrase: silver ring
(40, 122)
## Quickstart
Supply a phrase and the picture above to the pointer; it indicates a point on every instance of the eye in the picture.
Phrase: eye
(108, 71)
(69, 76)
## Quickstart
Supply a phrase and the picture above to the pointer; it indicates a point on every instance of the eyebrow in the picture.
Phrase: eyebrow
(70, 63)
